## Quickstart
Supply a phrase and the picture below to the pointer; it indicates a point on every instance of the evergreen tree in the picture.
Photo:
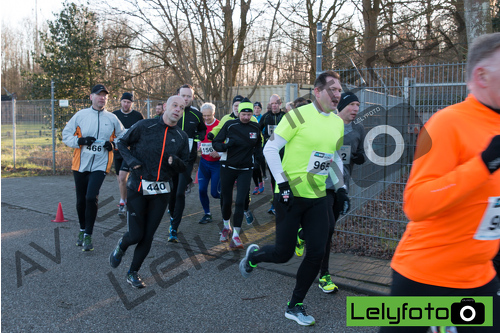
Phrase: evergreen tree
(72, 55)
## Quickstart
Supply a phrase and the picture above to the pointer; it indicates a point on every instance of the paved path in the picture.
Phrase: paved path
(47, 282)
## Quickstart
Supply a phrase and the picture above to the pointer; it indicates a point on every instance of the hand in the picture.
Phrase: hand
(343, 199)
(358, 158)
(214, 154)
(87, 141)
(491, 155)
(230, 142)
(108, 145)
(286, 194)
(210, 136)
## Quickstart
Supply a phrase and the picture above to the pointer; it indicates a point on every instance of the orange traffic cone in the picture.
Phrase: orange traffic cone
(59, 215)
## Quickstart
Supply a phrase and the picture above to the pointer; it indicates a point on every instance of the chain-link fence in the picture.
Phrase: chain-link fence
(400, 98)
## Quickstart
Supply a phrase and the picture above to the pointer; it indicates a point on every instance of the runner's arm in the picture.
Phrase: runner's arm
(272, 155)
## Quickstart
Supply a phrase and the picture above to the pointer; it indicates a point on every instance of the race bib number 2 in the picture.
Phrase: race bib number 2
(345, 154)
(95, 148)
(489, 228)
(152, 188)
(319, 163)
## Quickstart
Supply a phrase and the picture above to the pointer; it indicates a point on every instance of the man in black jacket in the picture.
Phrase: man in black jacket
(192, 123)
(155, 149)
(127, 117)
(268, 123)
(241, 139)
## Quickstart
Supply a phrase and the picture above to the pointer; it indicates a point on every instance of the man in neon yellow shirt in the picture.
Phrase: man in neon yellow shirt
(311, 136)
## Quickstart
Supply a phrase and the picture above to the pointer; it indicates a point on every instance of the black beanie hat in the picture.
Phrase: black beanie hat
(237, 98)
(127, 95)
(257, 104)
(346, 99)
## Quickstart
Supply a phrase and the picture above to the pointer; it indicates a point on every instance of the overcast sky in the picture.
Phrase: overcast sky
(13, 11)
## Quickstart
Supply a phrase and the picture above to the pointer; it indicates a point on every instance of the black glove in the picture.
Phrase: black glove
(358, 158)
(87, 141)
(230, 142)
(286, 194)
(343, 200)
(108, 145)
(491, 155)
(210, 136)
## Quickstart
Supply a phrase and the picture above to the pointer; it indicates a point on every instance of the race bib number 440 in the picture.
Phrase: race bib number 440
(489, 228)
(152, 188)
(319, 163)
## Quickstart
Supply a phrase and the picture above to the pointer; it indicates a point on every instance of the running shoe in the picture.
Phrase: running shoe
(261, 187)
(122, 209)
(255, 190)
(248, 216)
(79, 241)
(271, 210)
(207, 218)
(172, 236)
(87, 243)
(246, 266)
(299, 246)
(135, 280)
(236, 243)
(298, 313)
(225, 234)
(326, 284)
(115, 258)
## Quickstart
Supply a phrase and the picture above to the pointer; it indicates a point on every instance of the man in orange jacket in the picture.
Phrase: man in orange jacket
(452, 197)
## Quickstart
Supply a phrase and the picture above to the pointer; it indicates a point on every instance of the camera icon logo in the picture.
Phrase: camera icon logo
(467, 312)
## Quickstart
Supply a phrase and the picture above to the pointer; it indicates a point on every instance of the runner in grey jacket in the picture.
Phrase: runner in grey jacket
(91, 132)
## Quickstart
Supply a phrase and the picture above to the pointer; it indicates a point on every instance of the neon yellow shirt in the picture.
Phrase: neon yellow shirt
(312, 139)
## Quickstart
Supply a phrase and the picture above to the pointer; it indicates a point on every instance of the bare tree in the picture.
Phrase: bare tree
(199, 42)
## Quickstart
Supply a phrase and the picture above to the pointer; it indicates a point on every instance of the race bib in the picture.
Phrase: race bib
(319, 163)
(345, 154)
(96, 148)
(152, 188)
(190, 144)
(206, 148)
(270, 129)
(489, 228)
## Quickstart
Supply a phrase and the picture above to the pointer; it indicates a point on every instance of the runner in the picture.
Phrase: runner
(209, 170)
(311, 136)
(259, 170)
(241, 140)
(452, 193)
(155, 149)
(234, 115)
(268, 123)
(352, 152)
(91, 132)
(128, 117)
(191, 123)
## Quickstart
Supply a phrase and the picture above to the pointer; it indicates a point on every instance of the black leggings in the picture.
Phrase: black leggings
(333, 214)
(178, 201)
(87, 185)
(402, 286)
(312, 215)
(227, 178)
(144, 213)
(257, 175)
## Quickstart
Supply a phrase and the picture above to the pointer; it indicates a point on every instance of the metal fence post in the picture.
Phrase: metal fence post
(14, 128)
(319, 47)
(53, 129)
